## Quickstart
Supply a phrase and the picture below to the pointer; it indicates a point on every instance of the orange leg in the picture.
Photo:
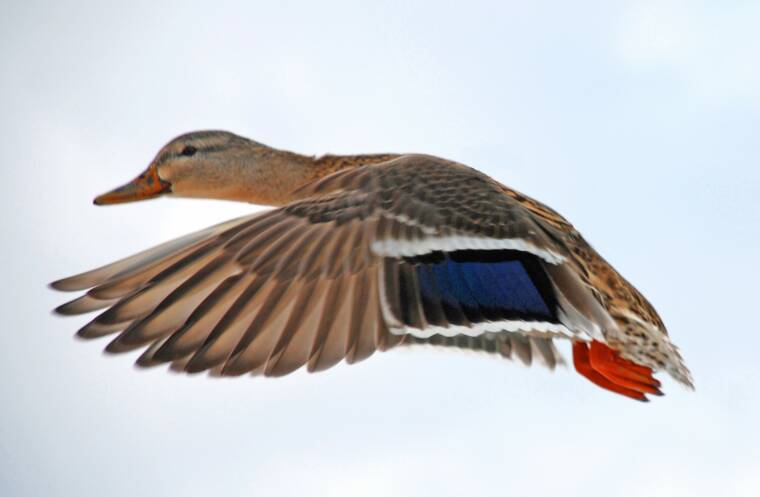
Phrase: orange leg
(621, 371)
(585, 365)
(604, 356)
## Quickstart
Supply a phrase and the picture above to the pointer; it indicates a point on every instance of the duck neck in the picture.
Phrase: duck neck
(277, 175)
(328, 164)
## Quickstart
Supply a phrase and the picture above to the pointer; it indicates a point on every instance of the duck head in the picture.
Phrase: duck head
(216, 164)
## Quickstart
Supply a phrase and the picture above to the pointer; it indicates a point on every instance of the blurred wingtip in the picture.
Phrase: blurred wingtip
(59, 285)
(62, 310)
(70, 284)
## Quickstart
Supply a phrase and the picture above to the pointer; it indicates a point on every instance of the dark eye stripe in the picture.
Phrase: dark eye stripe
(214, 148)
(189, 151)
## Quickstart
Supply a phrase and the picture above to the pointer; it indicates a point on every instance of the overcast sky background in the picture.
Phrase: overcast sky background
(637, 120)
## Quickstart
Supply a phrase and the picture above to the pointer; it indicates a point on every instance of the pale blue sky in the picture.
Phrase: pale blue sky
(637, 120)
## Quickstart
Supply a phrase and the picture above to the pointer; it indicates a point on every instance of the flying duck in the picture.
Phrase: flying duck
(363, 253)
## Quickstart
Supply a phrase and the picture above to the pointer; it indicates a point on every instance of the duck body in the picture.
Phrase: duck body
(365, 253)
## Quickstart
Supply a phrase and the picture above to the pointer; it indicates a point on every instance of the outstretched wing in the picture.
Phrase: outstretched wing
(417, 249)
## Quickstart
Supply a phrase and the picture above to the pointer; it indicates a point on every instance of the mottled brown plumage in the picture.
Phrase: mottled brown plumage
(360, 254)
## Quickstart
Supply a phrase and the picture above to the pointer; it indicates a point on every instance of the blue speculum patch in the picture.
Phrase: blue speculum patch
(484, 285)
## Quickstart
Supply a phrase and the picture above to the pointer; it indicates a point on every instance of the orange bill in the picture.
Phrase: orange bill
(147, 185)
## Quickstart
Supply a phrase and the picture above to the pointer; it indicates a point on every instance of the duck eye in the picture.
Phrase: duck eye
(189, 150)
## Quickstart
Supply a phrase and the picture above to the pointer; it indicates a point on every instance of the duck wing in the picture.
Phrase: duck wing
(415, 250)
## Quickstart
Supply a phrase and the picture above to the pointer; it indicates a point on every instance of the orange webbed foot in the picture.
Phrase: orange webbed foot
(605, 368)
(622, 371)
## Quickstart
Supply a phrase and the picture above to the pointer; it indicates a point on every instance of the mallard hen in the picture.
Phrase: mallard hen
(364, 253)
